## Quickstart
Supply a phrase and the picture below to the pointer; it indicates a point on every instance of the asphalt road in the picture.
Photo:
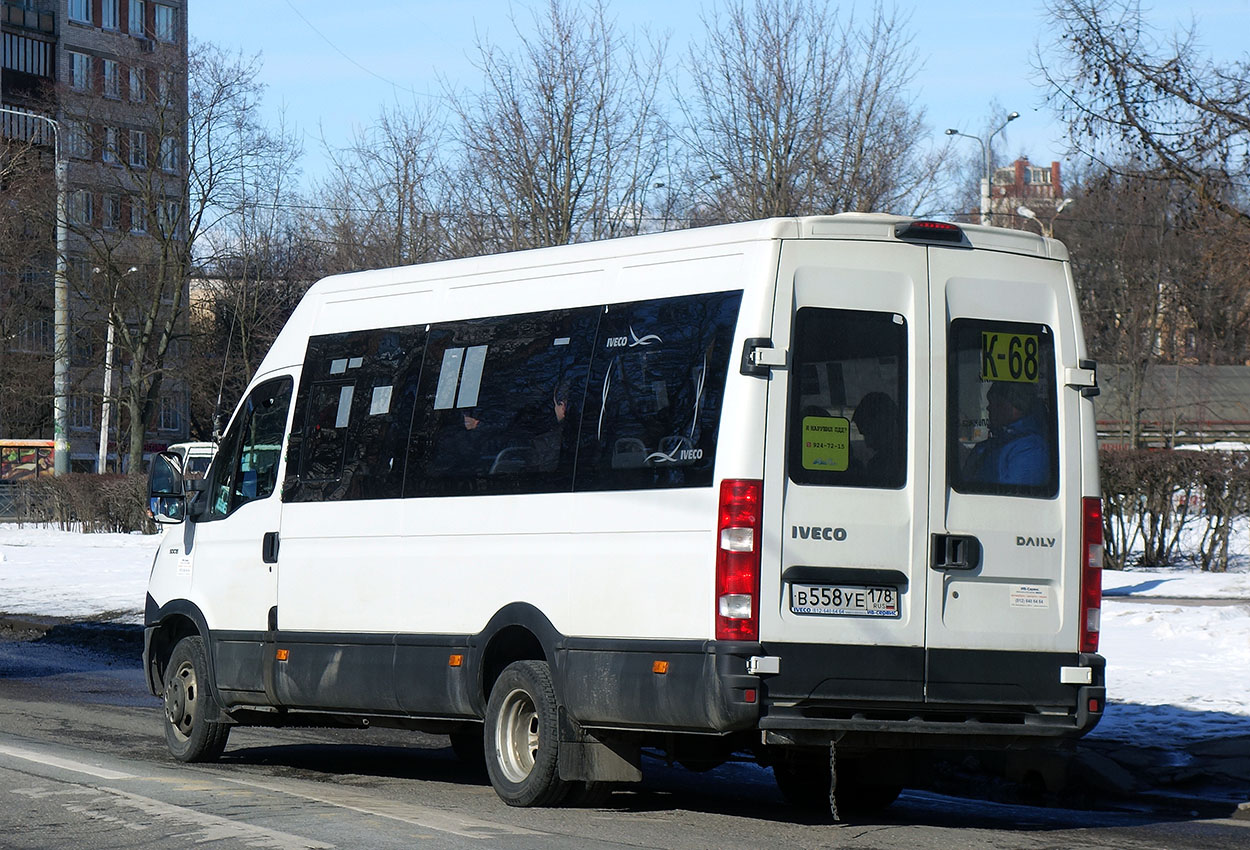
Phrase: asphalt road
(83, 764)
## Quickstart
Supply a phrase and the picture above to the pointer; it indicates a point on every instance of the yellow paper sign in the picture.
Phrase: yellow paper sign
(826, 443)
(1009, 357)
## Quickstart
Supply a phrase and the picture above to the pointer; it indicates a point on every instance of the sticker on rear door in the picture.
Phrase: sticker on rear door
(1009, 357)
(1030, 596)
(826, 443)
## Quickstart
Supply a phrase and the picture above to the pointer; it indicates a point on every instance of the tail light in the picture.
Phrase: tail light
(738, 560)
(1091, 573)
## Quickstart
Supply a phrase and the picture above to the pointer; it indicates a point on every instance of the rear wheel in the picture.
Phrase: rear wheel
(191, 730)
(522, 736)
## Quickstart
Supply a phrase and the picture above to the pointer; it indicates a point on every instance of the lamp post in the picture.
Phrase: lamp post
(60, 320)
(107, 401)
(985, 153)
(1047, 227)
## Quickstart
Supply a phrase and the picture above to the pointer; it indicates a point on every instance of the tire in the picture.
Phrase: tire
(522, 737)
(189, 733)
(805, 785)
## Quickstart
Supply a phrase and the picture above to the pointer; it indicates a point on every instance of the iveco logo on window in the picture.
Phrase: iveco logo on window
(632, 341)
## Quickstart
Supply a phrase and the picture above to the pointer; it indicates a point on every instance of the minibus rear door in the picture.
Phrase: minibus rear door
(843, 579)
(1004, 553)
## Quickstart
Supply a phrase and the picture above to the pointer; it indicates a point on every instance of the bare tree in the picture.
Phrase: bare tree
(383, 201)
(26, 215)
(183, 164)
(1130, 94)
(1128, 265)
(796, 112)
(563, 142)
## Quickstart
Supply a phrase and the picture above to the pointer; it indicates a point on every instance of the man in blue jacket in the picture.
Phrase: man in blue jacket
(1016, 452)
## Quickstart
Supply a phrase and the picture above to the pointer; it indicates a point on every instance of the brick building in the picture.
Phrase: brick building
(113, 74)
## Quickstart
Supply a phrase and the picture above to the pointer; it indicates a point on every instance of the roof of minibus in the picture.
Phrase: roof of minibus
(848, 226)
(858, 226)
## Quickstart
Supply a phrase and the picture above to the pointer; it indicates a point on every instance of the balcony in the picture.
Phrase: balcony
(15, 15)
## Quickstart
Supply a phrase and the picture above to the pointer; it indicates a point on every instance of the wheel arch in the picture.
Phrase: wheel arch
(165, 626)
(517, 632)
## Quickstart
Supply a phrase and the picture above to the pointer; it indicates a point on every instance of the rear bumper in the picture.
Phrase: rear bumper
(878, 697)
(907, 697)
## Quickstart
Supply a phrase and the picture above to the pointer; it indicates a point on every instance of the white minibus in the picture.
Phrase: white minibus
(794, 490)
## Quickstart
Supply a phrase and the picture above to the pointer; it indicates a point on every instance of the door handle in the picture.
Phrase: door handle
(955, 552)
(269, 547)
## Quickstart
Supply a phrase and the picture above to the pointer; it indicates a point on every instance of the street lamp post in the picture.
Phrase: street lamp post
(985, 153)
(107, 402)
(1047, 227)
(60, 319)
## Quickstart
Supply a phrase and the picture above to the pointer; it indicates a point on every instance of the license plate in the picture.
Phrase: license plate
(844, 600)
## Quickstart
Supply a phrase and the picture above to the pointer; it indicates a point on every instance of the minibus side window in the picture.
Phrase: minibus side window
(246, 468)
(352, 415)
(848, 399)
(499, 404)
(1003, 430)
(654, 393)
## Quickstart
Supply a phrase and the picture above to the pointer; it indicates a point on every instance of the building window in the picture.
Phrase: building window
(164, 20)
(136, 18)
(109, 154)
(171, 412)
(113, 212)
(81, 411)
(80, 10)
(27, 55)
(138, 86)
(168, 214)
(34, 336)
(112, 79)
(169, 154)
(138, 149)
(138, 215)
(165, 87)
(82, 207)
(108, 14)
(79, 140)
(79, 71)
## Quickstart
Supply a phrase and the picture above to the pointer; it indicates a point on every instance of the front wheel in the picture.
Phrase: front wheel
(189, 732)
(522, 736)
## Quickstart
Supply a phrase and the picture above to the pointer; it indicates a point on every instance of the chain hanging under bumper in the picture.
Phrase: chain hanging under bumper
(833, 781)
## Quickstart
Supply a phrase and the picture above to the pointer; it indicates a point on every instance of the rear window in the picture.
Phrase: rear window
(1003, 428)
(848, 400)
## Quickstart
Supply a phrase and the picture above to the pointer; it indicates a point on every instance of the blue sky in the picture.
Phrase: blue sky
(333, 65)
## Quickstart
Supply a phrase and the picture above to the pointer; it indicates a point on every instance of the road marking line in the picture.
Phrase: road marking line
(215, 827)
(410, 813)
(64, 764)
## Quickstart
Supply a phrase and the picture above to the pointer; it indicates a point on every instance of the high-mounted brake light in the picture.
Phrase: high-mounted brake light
(738, 560)
(1091, 573)
(930, 231)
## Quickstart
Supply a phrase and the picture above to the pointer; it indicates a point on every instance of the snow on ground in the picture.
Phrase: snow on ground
(66, 574)
(1176, 671)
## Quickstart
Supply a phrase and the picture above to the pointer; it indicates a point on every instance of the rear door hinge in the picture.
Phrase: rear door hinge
(759, 356)
(1083, 378)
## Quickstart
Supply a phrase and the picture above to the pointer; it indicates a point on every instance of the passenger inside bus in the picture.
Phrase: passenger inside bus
(1016, 452)
(876, 417)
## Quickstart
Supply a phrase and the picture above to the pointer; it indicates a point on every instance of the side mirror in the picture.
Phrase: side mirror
(166, 502)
